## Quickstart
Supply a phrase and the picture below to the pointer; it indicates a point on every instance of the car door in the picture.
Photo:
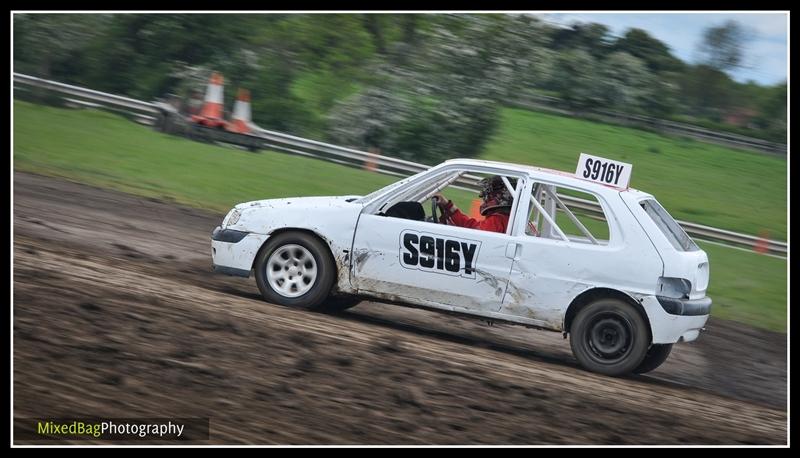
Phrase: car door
(549, 271)
(430, 263)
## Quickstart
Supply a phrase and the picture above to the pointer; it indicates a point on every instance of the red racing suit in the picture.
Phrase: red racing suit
(495, 222)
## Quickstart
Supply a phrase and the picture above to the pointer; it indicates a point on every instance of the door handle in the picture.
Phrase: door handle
(512, 250)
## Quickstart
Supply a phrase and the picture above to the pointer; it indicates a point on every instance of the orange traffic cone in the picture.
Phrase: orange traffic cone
(211, 113)
(475, 210)
(240, 122)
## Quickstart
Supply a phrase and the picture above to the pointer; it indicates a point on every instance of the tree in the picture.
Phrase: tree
(623, 82)
(373, 23)
(414, 127)
(575, 78)
(139, 52)
(652, 51)
(437, 100)
(43, 43)
(707, 91)
(274, 105)
(483, 56)
(592, 37)
(334, 42)
(772, 113)
(722, 46)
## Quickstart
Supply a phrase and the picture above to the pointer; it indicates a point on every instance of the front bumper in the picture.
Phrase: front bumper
(233, 252)
(227, 235)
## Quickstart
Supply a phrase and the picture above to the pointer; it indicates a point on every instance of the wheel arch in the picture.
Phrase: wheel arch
(284, 230)
(593, 294)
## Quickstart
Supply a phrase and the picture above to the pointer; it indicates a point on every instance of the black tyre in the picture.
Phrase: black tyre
(295, 269)
(610, 337)
(655, 356)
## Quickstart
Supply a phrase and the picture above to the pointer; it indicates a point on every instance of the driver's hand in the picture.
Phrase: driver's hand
(442, 201)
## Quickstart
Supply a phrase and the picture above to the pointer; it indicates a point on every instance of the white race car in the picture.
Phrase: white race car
(624, 291)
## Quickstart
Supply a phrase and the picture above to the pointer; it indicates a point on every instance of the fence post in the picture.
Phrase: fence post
(762, 245)
(370, 162)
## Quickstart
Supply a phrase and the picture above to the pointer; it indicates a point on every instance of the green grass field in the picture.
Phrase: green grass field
(697, 182)
(105, 150)
(747, 287)
(108, 151)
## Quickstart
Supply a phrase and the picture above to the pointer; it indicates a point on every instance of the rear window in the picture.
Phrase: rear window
(669, 227)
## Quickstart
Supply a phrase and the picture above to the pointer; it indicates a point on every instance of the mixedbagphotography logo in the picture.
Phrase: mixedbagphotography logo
(166, 429)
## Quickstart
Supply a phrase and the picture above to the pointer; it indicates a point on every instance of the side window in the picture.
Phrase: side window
(668, 226)
(565, 213)
(480, 201)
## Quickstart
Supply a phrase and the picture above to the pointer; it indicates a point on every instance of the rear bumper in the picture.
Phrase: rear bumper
(669, 328)
(685, 307)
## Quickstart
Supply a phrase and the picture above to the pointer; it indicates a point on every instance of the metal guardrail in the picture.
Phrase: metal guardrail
(663, 126)
(87, 94)
(700, 133)
(290, 143)
(382, 164)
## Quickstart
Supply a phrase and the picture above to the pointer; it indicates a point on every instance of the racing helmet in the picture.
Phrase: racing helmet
(494, 194)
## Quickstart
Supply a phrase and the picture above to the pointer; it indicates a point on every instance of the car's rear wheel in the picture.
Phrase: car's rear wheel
(656, 355)
(295, 269)
(609, 336)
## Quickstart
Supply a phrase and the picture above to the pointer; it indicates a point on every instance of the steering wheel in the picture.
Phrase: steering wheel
(434, 205)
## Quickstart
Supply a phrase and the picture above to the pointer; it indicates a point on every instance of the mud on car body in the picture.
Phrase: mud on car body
(624, 296)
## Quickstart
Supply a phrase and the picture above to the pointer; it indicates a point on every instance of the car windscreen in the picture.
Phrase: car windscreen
(390, 188)
(385, 189)
(668, 226)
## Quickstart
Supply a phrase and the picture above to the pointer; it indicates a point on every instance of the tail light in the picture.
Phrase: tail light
(678, 288)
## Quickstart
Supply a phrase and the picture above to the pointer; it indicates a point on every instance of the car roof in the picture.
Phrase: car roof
(543, 173)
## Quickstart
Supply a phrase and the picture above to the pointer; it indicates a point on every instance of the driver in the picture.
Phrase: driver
(496, 207)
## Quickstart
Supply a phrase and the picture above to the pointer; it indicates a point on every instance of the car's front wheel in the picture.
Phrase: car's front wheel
(609, 336)
(295, 269)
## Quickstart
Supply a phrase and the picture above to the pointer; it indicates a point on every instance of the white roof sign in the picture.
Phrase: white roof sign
(604, 171)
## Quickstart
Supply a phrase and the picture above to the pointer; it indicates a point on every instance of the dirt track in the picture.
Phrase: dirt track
(116, 314)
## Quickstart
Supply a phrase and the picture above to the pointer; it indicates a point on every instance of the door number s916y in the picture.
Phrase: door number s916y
(437, 253)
